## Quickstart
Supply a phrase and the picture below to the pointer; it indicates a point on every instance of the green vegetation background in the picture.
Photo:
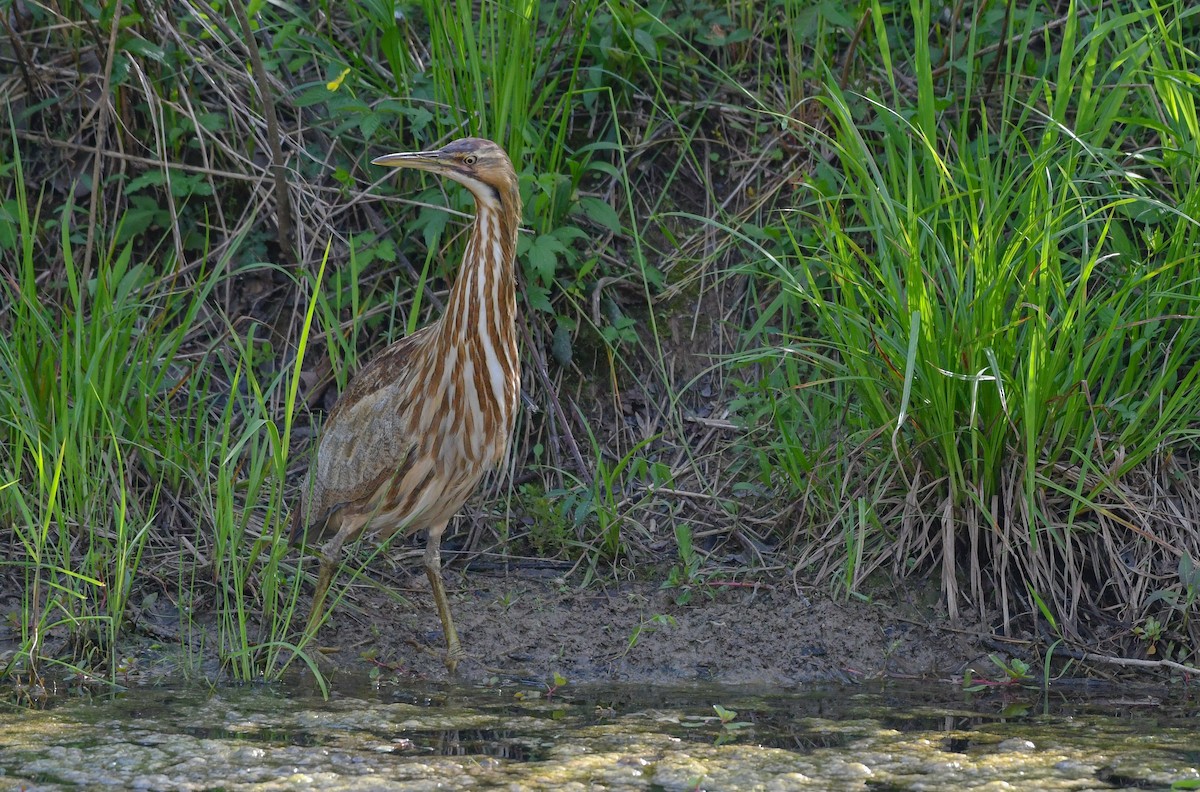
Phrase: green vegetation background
(856, 290)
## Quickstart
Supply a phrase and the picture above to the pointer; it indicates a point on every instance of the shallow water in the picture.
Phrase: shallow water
(874, 736)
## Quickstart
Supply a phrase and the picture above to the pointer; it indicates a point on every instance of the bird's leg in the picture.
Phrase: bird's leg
(433, 568)
(330, 554)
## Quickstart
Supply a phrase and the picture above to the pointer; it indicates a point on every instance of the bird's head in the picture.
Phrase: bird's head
(478, 164)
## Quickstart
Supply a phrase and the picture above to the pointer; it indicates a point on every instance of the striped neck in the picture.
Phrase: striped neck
(486, 285)
(479, 322)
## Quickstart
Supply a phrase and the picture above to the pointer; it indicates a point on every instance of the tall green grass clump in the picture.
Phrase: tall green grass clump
(1005, 288)
(78, 429)
(113, 427)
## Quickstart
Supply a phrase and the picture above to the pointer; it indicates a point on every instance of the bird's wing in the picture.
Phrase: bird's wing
(365, 439)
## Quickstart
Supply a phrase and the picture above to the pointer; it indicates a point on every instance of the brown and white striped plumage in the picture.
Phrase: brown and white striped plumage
(419, 426)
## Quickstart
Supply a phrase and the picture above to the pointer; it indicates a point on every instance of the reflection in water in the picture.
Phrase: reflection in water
(880, 736)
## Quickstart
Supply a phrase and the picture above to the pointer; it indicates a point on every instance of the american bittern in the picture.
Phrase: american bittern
(419, 425)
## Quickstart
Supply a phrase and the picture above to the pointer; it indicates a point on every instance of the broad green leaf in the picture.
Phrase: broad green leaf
(600, 212)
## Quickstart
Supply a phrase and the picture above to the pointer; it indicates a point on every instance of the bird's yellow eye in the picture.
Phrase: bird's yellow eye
(470, 159)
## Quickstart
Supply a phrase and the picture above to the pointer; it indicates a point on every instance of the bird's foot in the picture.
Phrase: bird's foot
(453, 656)
(450, 660)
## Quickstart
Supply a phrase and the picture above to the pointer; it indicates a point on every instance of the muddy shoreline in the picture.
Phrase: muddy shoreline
(528, 626)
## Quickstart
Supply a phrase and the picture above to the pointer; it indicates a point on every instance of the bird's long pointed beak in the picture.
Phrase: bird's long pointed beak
(424, 160)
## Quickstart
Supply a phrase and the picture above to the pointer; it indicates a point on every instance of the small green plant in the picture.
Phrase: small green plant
(609, 504)
(506, 600)
(1016, 672)
(648, 626)
(553, 519)
(1151, 632)
(556, 683)
(725, 718)
(729, 726)
(684, 575)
